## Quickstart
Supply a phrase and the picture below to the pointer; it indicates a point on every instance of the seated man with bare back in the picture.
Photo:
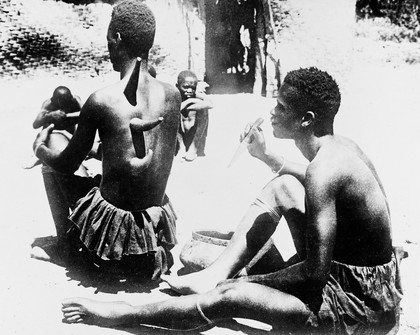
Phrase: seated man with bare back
(127, 224)
(344, 278)
(62, 110)
(63, 190)
(195, 107)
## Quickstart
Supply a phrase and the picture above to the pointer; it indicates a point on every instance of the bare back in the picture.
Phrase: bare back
(120, 185)
(363, 231)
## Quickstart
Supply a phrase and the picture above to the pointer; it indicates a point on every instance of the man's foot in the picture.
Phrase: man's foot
(197, 282)
(32, 163)
(81, 310)
(49, 250)
(190, 156)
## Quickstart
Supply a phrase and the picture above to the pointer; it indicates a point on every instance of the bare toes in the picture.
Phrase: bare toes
(74, 319)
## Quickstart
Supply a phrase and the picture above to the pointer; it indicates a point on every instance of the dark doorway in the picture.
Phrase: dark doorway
(230, 59)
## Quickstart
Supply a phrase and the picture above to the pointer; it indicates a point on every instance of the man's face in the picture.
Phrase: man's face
(112, 48)
(284, 120)
(187, 87)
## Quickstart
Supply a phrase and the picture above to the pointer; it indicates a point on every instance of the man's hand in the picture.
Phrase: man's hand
(138, 165)
(143, 159)
(196, 104)
(42, 138)
(57, 117)
(254, 138)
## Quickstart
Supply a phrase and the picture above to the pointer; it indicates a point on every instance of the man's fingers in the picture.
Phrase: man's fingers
(42, 137)
(251, 135)
(245, 132)
(138, 125)
(50, 128)
(138, 165)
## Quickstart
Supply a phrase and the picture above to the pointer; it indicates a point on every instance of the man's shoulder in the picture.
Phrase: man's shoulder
(336, 162)
(48, 105)
(169, 89)
(330, 163)
(105, 96)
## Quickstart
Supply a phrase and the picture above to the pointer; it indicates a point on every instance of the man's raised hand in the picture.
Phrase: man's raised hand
(42, 138)
(142, 159)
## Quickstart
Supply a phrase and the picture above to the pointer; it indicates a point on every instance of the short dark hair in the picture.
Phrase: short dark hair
(62, 95)
(136, 24)
(314, 90)
(184, 74)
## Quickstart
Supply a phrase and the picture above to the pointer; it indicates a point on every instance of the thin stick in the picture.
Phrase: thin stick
(238, 151)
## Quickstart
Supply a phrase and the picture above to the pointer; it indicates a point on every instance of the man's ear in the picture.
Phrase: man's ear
(118, 39)
(307, 119)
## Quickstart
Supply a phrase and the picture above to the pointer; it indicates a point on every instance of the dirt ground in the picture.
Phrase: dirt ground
(379, 110)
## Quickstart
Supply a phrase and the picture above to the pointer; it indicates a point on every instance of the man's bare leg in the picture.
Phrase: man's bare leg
(202, 120)
(229, 300)
(284, 194)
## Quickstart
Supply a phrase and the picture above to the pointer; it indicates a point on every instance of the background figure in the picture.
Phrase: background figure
(63, 189)
(127, 225)
(62, 110)
(192, 133)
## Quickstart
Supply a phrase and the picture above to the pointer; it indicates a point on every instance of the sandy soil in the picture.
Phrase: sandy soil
(379, 110)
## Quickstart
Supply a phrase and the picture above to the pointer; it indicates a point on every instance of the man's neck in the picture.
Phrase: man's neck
(128, 66)
(310, 145)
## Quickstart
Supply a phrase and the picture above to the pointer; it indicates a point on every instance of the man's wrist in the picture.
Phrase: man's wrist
(278, 168)
(38, 146)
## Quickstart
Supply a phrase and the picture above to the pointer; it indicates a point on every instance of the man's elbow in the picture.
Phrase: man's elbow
(36, 124)
(65, 167)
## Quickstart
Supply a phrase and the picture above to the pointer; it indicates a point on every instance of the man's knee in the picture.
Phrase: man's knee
(229, 291)
(285, 192)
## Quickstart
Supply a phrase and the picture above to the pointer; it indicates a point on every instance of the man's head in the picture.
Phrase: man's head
(308, 99)
(187, 84)
(62, 97)
(131, 30)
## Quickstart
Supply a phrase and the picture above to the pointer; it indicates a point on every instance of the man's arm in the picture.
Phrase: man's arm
(81, 143)
(78, 103)
(276, 162)
(47, 116)
(311, 274)
(199, 103)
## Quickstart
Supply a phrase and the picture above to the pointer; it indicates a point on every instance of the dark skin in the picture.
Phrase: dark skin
(63, 113)
(332, 205)
(194, 116)
(130, 181)
(62, 110)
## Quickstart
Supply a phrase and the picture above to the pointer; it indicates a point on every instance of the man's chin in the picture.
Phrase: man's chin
(279, 134)
(276, 132)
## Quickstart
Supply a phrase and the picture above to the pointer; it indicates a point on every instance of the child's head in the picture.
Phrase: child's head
(187, 84)
(62, 97)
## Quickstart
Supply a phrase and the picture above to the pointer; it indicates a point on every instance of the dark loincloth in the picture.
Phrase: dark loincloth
(355, 300)
(114, 235)
(359, 300)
